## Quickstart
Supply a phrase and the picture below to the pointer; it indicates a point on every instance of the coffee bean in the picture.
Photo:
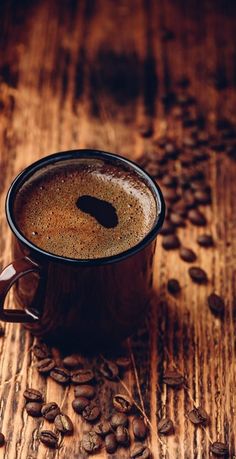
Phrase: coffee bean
(123, 362)
(170, 242)
(140, 451)
(48, 438)
(50, 411)
(109, 370)
(205, 240)
(180, 209)
(198, 416)
(82, 376)
(202, 197)
(64, 424)
(173, 286)
(84, 391)
(122, 436)
(91, 412)
(122, 403)
(170, 194)
(103, 428)
(189, 199)
(41, 351)
(187, 255)
(33, 395)
(146, 129)
(165, 426)
(33, 409)
(186, 160)
(176, 219)
(91, 442)
(60, 375)
(79, 404)
(152, 169)
(216, 304)
(139, 428)
(167, 228)
(190, 142)
(72, 362)
(110, 443)
(200, 185)
(44, 366)
(196, 217)
(2, 439)
(119, 419)
(169, 181)
(219, 449)
(198, 275)
(173, 378)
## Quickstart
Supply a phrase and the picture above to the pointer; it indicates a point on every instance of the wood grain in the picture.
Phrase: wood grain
(85, 74)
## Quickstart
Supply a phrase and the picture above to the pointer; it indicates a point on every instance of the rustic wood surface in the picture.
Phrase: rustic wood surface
(85, 74)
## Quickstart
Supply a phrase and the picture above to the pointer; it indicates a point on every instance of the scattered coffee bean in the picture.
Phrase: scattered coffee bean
(33, 409)
(176, 219)
(44, 366)
(91, 442)
(122, 436)
(219, 449)
(167, 228)
(140, 451)
(103, 428)
(41, 351)
(139, 428)
(110, 443)
(187, 255)
(216, 304)
(173, 378)
(91, 412)
(180, 209)
(170, 181)
(173, 286)
(123, 362)
(84, 390)
(79, 404)
(170, 242)
(170, 194)
(48, 438)
(189, 199)
(72, 362)
(2, 439)
(50, 410)
(60, 375)
(119, 419)
(109, 370)
(202, 197)
(33, 395)
(196, 217)
(198, 275)
(64, 424)
(205, 240)
(82, 376)
(122, 403)
(165, 426)
(198, 416)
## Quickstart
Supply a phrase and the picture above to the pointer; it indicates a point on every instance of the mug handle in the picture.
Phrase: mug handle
(8, 277)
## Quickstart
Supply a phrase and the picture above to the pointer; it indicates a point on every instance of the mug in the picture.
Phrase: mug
(79, 303)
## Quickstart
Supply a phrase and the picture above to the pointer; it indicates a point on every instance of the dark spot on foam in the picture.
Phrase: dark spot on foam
(103, 211)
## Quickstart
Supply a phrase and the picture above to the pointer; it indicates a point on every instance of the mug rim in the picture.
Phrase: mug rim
(84, 153)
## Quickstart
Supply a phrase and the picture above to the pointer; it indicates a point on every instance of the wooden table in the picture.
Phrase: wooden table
(85, 74)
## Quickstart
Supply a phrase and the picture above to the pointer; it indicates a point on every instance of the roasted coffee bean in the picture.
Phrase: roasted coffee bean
(140, 451)
(122, 403)
(44, 366)
(41, 351)
(122, 436)
(190, 142)
(110, 443)
(180, 209)
(216, 304)
(64, 424)
(200, 185)
(165, 426)
(176, 219)
(33, 395)
(103, 428)
(152, 169)
(2, 331)
(50, 411)
(60, 375)
(139, 428)
(186, 160)
(2, 439)
(198, 416)
(146, 129)
(84, 391)
(119, 419)
(196, 217)
(171, 152)
(91, 412)
(202, 197)
(170, 194)
(79, 404)
(170, 242)
(198, 275)
(72, 362)
(219, 449)
(173, 286)
(109, 370)
(82, 376)
(173, 378)
(33, 409)
(189, 199)
(48, 438)
(167, 228)
(170, 181)
(123, 362)
(91, 442)
(187, 255)
(205, 240)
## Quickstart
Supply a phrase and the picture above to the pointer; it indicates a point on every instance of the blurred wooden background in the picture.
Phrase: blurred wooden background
(77, 74)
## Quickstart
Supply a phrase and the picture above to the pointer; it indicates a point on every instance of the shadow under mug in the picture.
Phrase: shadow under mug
(79, 303)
